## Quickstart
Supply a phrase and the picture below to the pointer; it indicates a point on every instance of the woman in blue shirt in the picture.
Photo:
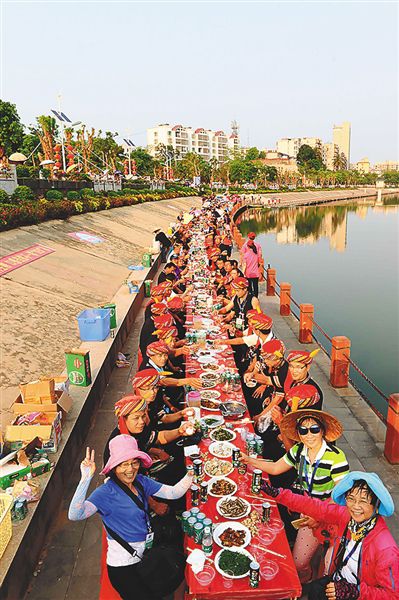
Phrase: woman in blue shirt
(120, 514)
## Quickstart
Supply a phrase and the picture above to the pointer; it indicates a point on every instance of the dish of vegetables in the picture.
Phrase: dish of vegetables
(233, 561)
(222, 435)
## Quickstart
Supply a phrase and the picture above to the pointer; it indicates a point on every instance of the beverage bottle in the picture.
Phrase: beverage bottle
(207, 542)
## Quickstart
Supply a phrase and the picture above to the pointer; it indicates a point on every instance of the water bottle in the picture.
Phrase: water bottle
(207, 542)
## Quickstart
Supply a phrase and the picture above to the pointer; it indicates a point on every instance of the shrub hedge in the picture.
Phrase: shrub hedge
(31, 212)
(54, 195)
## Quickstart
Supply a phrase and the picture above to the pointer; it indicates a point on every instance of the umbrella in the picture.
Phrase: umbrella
(47, 162)
(17, 157)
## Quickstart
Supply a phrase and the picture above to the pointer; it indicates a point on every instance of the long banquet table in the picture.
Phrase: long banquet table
(286, 583)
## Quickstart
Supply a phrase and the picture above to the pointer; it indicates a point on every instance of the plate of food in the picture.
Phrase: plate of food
(232, 534)
(218, 468)
(233, 507)
(210, 394)
(236, 561)
(211, 366)
(221, 449)
(221, 434)
(221, 486)
(209, 380)
(212, 422)
(205, 359)
(210, 404)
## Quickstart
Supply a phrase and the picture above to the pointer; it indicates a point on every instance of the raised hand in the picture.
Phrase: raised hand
(88, 466)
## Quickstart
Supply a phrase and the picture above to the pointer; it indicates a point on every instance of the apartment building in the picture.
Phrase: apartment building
(329, 155)
(290, 146)
(205, 142)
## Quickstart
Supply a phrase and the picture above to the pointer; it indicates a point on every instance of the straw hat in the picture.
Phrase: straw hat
(333, 427)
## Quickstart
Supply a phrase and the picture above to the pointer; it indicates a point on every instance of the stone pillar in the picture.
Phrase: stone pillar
(271, 282)
(391, 449)
(306, 323)
(285, 299)
(340, 353)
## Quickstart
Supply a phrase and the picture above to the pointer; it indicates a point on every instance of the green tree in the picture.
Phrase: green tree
(309, 158)
(144, 161)
(106, 151)
(252, 154)
(30, 146)
(11, 128)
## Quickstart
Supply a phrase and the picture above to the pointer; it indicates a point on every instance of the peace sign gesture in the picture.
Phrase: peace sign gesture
(88, 466)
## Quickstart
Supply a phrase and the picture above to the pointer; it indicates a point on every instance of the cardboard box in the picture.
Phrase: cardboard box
(63, 403)
(78, 367)
(38, 392)
(61, 382)
(19, 435)
(11, 472)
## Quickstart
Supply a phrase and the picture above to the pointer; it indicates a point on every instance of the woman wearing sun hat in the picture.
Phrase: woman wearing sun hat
(319, 465)
(365, 559)
(122, 517)
(252, 262)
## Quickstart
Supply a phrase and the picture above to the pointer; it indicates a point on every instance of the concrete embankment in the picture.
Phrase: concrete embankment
(314, 197)
(40, 301)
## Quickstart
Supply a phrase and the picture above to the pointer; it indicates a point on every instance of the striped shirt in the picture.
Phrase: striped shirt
(319, 479)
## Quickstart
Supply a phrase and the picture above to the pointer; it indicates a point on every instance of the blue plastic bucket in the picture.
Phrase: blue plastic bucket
(94, 324)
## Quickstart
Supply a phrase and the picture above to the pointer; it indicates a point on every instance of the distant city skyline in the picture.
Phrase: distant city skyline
(280, 69)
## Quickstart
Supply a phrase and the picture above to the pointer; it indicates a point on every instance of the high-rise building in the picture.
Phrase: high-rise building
(342, 137)
(209, 144)
(388, 165)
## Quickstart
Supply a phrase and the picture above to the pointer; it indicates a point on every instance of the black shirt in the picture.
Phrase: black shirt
(163, 239)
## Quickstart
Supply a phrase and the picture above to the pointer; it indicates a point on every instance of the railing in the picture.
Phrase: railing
(340, 349)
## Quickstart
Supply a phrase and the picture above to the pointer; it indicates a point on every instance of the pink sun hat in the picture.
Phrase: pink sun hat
(121, 448)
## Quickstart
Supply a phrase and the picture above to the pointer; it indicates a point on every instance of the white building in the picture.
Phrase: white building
(290, 146)
(330, 154)
(205, 142)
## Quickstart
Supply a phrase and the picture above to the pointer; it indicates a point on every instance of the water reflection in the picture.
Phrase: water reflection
(307, 224)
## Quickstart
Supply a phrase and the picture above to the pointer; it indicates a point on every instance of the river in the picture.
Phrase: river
(344, 259)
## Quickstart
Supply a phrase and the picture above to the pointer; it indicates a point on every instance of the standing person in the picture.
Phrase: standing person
(319, 465)
(252, 263)
(162, 238)
(122, 503)
(365, 562)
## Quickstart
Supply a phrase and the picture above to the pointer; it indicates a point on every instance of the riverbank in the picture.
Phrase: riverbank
(312, 197)
(40, 300)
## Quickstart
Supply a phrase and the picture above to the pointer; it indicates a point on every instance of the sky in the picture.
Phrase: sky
(281, 69)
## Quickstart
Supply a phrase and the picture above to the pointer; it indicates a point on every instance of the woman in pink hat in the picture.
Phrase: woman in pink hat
(122, 503)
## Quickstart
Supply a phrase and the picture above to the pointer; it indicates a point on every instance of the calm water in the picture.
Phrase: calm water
(344, 259)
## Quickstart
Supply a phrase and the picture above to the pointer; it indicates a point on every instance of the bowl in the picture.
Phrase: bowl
(233, 409)
(206, 576)
(268, 569)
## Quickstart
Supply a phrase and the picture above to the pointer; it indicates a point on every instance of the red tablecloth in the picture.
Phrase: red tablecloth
(286, 583)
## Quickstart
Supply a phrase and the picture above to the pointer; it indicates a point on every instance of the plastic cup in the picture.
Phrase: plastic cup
(227, 579)
(266, 535)
(268, 569)
(276, 525)
(206, 576)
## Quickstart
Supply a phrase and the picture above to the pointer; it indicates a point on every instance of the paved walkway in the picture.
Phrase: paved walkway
(70, 565)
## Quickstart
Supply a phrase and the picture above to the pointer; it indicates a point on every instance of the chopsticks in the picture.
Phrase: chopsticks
(269, 551)
(270, 500)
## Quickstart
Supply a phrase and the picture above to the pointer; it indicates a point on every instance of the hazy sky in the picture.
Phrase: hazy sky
(281, 69)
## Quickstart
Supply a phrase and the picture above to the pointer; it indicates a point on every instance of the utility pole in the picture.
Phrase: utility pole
(59, 97)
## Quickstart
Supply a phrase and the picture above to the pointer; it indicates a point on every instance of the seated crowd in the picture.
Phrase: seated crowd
(342, 512)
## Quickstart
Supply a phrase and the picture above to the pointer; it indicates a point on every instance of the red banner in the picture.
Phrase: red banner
(13, 261)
